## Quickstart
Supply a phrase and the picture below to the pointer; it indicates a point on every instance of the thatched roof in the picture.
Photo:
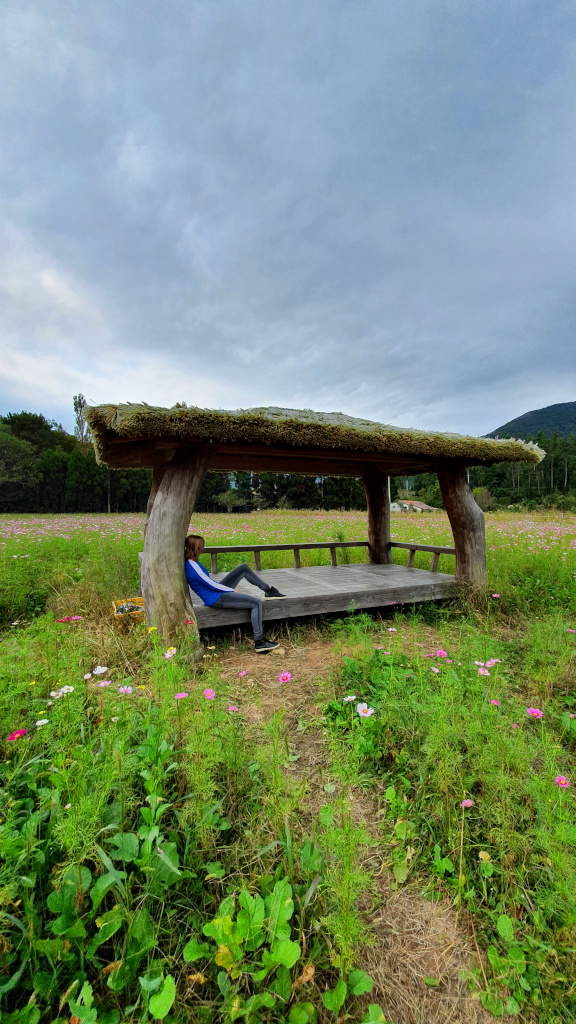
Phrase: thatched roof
(135, 434)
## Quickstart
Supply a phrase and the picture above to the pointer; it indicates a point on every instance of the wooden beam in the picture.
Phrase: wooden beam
(164, 588)
(378, 506)
(467, 522)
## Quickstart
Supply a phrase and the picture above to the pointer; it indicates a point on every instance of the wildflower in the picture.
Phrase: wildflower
(180, 696)
(496, 703)
(104, 682)
(88, 675)
(364, 711)
(571, 630)
(285, 677)
(125, 689)
(244, 672)
(379, 647)
(211, 648)
(114, 719)
(434, 669)
(495, 595)
(100, 670)
(152, 629)
(534, 712)
(33, 683)
(67, 689)
(467, 803)
(479, 663)
(483, 672)
(562, 781)
(170, 652)
(42, 721)
(75, 618)
(67, 807)
(392, 630)
(514, 725)
(351, 697)
(209, 694)
(441, 654)
(232, 707)
(17, 735)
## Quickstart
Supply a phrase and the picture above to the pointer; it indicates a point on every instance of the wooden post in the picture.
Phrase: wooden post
(467, 522)
(378, 504)
(157, 477)
(164, 588)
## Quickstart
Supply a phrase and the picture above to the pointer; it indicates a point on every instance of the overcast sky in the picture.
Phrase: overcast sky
(365, 206)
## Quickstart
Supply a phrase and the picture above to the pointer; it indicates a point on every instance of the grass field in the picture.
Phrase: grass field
(374, 824)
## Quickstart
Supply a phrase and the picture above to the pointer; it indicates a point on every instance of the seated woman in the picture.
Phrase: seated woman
(223, 595)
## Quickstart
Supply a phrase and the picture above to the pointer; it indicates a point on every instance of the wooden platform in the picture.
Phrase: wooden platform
(319, 589)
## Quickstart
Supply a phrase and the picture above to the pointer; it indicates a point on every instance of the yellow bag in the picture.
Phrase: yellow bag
(130, 608)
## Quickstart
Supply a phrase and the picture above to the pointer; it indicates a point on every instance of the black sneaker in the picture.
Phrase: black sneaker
(263, 645)
(274, 595)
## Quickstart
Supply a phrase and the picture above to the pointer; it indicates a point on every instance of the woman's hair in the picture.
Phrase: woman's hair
(193, 546)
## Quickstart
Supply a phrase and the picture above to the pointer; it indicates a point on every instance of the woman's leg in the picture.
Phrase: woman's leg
(243, 572)
(244, 601)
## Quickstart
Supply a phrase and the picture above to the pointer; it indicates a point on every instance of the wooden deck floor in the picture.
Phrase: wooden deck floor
(318, 589)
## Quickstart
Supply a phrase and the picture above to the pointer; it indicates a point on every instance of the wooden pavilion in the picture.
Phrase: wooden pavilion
(180, 444)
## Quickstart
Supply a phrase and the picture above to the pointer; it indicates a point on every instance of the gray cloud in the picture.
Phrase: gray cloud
(365, 207)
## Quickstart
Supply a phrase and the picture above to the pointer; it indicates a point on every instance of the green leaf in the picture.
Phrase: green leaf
(161, 1002)
(517, 959)
(302, 1013)
(224, 983)
(100, 888)
(51, 947)
(359, 982)
(334, 998)
(310, 857)
(75, 879)
(250, 919)
(401, 871)
(401, 829)
(374, 1015)
(326, 815)
(431, 982)
(492, 1002)
(282, 984)
(194, 950)
(105, 932)
(280, 907)
(505, 927)
(512, 1006)
(286, 952)
(127, 846)
(109, 1017)
(215, 870)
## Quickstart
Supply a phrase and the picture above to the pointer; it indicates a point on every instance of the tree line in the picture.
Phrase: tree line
(45, 469)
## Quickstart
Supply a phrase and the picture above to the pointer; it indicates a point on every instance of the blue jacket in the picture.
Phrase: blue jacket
(201, 583)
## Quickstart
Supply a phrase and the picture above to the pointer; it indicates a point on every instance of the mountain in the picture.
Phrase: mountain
(561, 417)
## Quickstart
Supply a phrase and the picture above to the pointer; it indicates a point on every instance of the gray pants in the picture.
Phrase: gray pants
(243, 572)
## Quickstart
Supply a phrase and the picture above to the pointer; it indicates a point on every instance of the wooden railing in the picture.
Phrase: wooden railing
(331, 545)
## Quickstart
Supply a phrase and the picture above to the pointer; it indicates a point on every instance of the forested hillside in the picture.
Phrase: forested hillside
(45, 469)
(559, 419)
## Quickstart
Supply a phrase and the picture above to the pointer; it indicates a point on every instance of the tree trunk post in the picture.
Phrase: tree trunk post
(378, 506)
(164, 587)
(157, 478)
(467, 522)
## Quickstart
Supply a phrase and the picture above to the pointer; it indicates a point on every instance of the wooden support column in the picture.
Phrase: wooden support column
(378, 504)
(164, 587)
(467, 522)
(157, 478)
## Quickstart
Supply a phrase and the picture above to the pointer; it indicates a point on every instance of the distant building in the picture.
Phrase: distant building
(405, 505)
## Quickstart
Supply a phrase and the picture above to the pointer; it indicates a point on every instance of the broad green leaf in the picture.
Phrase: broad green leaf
(282, 984)
(512, 1006)
(215, 870)
(401, 829)
(374, 1015)
(279, 907)
(302, 1013)
(401, 871)
(150, 984)
(127, 846)
(492, 1003)
(194, 950)
(227, 906)
(431, 982)
(224, 983)
(74, 879)
(250, 919)
(359, 982)
(100, 888)
(109, 1017)
(161, 1002)
(505, 927)
(517, 959)
(326, 815)
(51, 947)
(286, 952)
(105, 932)
(496, 962)
(225, 958)
(310, 857)
(334, 998)
(220, 929)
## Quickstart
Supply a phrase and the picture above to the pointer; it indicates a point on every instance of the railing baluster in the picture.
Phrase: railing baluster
(410, 563)
(435, 560)
(297, 558)
(333, 555)
(257, 560)
(213, 561)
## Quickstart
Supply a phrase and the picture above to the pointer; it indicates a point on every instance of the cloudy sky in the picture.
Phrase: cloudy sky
(355, 205)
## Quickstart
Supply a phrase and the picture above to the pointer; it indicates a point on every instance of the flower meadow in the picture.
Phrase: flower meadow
(161, 855)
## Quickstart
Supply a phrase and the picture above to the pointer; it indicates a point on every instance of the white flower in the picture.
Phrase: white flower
(42, 721)
(67, 689)
(364, 711)
(54, 693)
(88, 675)
(351, 697)
(99, 670)
(114, 719)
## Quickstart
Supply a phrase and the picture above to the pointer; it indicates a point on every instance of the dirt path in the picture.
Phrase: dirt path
(413, 938)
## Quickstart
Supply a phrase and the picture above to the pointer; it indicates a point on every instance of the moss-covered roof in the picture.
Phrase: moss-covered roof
(293, 430)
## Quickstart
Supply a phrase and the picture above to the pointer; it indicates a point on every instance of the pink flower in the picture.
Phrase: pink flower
(562, 781)
(571, 630)
(285, 677)
(104, 682)
(180, 696)
(364, 711)
(496, 703)
(495, 595)
(391, 629)
(483, 672)
(232, 707)
(17, 735)
(434, 669)
(348, 699)
(514, 725)
(467, 803)
(534, 712)
(244, 672)
(170, 652)
(378, 647)
(125, 689)
(209, 694)
(441, 654)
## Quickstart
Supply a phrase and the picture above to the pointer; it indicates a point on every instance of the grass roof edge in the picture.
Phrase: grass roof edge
(296, 428)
